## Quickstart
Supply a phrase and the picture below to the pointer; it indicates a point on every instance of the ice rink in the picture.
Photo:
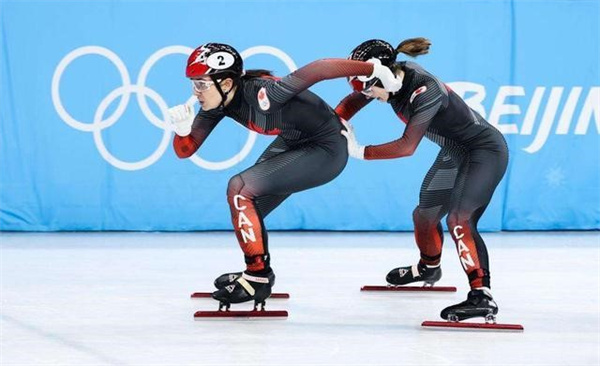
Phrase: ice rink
(124, 299)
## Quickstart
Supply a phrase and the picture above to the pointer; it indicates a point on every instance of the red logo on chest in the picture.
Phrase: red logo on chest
(263, 100)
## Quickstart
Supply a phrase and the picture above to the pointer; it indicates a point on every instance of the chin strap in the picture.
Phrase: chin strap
(223, 94)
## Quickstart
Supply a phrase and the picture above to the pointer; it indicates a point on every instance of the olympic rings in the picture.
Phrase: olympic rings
(142, 91)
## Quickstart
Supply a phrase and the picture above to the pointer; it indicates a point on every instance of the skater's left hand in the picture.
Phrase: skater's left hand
(355, 150)
(182, 118)
(390, 82)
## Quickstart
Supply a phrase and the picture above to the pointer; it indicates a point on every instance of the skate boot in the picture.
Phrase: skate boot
(226, 279)
(419, 272)
(479, 303)
(247, 287)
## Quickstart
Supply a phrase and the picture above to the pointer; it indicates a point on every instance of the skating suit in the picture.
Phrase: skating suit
(463, 177)
(308, 151)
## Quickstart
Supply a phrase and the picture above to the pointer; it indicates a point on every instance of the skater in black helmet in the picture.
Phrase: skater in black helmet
(459, 184)
(308, 151)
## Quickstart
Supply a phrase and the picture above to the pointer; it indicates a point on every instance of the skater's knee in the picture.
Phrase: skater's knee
(416, 214)
(456, 223)
(238, 194)
(238, 187)
(235, 185)
(427, 217)
(452, 220)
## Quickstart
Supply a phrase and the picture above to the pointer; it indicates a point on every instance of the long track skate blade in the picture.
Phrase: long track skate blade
(236, 314)
(410, 288)
(206, 295)
(472, 326)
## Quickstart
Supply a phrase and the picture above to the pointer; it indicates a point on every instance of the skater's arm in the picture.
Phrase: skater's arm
(282, 90)
(404, 146)
(351, 104)
(204, 123)
(424, 108)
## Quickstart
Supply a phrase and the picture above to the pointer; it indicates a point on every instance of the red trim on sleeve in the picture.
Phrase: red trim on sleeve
(185, 146)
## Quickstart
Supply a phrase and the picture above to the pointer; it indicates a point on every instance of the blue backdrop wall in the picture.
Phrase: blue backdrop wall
(84, 86)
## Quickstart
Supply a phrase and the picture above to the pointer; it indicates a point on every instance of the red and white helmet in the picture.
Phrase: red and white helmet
(216, 60)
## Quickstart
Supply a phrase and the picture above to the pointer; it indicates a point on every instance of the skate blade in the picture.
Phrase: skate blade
(472, 326)
(205, 295)
(410, 288)
(240, 314)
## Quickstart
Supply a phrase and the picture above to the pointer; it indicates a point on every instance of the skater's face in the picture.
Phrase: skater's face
(207, 93)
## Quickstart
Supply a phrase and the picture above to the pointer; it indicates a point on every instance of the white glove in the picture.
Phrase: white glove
(355, 150)
(383, 73)
(182, 118)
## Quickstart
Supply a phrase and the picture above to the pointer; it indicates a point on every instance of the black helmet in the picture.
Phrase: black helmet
(373, 48)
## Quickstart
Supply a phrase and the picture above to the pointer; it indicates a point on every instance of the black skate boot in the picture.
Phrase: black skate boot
(245, 288)
(226, 279)
(420, 272)
(479, 304)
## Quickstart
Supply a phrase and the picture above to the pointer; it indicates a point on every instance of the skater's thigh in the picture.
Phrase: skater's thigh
(292, 171)
(439, 184)
(276, 147)
(477, 180)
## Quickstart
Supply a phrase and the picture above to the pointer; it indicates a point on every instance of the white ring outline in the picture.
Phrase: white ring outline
(145, 70)
(70, 57)
(97, 132)
(142, 90)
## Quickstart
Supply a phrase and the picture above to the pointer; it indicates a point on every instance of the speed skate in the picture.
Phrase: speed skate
(224, 312)
(238, 288)
(456, 325)
(399, 278)
(479, 304)
(424, 288)
(208, 295)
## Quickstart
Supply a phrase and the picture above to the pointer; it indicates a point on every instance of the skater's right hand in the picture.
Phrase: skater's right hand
(182, 118)
(355, 150)
(389, 80)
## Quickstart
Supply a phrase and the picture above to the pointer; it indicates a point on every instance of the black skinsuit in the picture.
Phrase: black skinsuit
(308, 152)
(462, 180)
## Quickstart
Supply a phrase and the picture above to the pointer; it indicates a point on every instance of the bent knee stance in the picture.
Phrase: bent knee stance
(428, 234)
(247, 224)
(470, 247)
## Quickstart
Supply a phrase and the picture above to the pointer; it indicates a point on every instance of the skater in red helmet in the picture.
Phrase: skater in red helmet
(308, 151)
(462, 179)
